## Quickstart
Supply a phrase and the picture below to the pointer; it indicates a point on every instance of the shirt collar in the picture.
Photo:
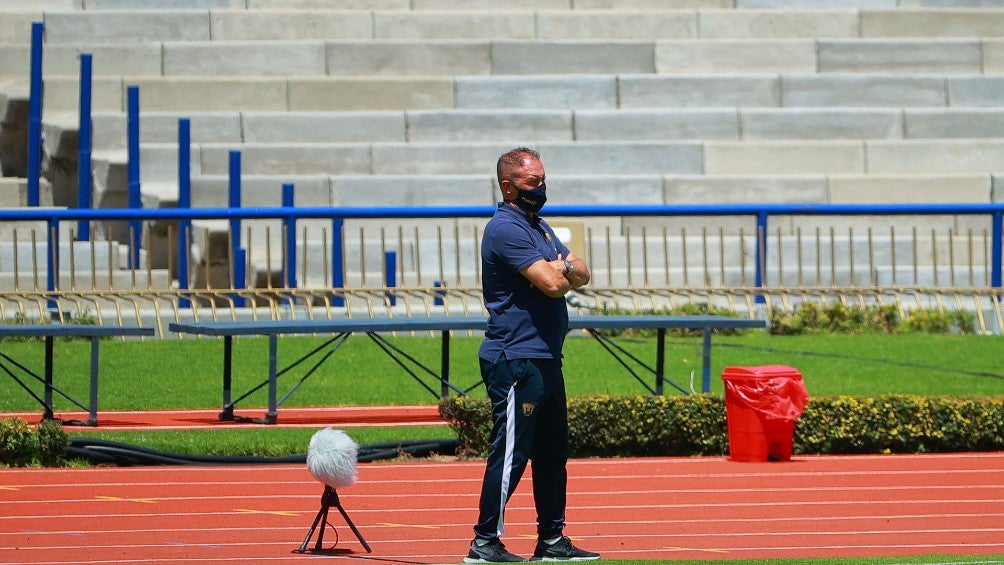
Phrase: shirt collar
(518, 212)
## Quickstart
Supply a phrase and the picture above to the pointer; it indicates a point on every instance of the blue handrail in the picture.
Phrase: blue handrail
(330, 212)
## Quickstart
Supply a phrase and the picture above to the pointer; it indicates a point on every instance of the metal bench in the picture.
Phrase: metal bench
(49, 332)
(341, 329)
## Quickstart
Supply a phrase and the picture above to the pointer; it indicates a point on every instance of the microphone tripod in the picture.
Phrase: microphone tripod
(329, 499)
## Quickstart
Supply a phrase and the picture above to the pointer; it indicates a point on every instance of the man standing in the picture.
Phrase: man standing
(526, 273)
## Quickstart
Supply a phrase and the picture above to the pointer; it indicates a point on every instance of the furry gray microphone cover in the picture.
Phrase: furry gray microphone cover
(331, 458)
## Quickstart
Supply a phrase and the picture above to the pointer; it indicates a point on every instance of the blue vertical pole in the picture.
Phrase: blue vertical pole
(761, 253)
(184, 202)
(35, 115)
(84, 175)
(390, 274)
(135, 203)
(437, 298)
(337, 259)
(289, 223)
(237, 256)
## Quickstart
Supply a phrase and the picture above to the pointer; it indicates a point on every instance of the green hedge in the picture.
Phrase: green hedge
(24, 445)
(696, 425)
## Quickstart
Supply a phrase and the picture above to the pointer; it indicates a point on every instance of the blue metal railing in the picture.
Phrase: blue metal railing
(289, 215)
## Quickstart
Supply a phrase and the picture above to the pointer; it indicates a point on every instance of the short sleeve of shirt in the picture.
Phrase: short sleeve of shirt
(514, 246)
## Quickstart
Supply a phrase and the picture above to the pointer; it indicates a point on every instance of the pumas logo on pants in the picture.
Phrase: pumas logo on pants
(528, 408)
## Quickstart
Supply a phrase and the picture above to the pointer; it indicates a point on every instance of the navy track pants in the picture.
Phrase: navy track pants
(529, 422)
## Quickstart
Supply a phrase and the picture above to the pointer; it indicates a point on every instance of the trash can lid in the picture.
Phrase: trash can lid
(761, 372)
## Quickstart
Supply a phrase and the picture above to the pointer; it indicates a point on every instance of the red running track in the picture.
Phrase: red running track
(421, 512)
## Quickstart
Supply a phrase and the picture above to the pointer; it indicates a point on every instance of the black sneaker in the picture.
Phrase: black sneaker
(561, 550)
(491, 552)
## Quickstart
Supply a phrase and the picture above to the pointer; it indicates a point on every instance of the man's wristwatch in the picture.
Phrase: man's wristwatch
(569, 267)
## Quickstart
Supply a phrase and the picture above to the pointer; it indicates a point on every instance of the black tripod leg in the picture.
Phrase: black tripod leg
(353, 526)
(324, 524)
(321, 515)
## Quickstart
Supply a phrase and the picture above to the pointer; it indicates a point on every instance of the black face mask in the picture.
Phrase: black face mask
(531, 200)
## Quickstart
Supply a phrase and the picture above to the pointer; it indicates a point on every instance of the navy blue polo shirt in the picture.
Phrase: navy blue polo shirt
(523, 322)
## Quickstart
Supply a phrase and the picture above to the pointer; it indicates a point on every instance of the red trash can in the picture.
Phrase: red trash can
(761, 406)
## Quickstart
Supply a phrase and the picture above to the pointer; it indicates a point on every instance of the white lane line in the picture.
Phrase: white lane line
(593, 523)
(529, 507)
(351, 495)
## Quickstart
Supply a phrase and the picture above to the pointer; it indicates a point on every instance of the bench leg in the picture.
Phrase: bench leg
(92, 419)
(706, 369)
(273, 375)
(660, 360)
(48, 414)
(227, 415)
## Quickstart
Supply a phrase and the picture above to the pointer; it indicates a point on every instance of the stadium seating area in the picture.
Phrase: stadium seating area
(390, 102)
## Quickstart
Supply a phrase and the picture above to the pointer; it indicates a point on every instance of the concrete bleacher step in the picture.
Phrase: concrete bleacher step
(740, 88)
(209, 95)
(714, 157)
(294, 93)
(693, 20)
(456, 157)
(204, 96)
(158, 171)
(110, 128)
(569, 189)
(541, 125)
(416, 58)
(862, 55)
(419, 58)
(718, 157)
(914, 156)
(821, 188)
(350, 190)
(62, 59)
(14, 192)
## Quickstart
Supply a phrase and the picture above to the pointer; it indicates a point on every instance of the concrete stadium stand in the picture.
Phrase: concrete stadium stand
(385, 102)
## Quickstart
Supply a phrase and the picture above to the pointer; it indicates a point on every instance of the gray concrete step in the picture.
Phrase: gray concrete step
(205, 95)
(619, 157)
(230, 20)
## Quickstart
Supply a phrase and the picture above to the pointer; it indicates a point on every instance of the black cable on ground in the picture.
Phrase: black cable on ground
(105, 452)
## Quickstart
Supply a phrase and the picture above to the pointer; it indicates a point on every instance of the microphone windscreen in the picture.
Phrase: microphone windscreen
(331, 458)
